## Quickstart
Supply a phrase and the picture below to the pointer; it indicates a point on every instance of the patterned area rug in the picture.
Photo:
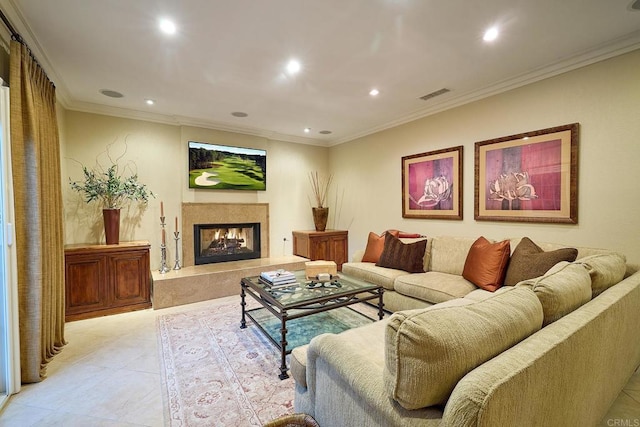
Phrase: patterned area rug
(216, 374)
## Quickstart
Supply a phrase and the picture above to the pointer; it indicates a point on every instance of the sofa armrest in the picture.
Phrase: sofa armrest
(357, 257)
(357, 351)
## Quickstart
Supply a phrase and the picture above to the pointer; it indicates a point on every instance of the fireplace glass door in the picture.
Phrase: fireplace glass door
(226, 242)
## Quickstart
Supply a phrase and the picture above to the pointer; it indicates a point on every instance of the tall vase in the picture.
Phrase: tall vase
(320, 216)
(111, 225)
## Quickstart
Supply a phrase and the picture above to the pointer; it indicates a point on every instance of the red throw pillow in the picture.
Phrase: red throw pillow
(486, 263)
(409, 235)
(375, 245)
(405, 235)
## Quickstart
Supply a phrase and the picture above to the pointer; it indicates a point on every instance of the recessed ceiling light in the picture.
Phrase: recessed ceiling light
(239, 114)
(167, 26)
(111, 93)
(293, 66)
(149, 101)
(374, 92)
(490, 35)
(307, 130)
(325, 132)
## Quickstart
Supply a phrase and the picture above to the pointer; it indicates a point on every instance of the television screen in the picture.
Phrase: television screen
(221, 167)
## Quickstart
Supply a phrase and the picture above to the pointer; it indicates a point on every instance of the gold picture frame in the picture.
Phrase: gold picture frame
(529, 177)
(432, 184)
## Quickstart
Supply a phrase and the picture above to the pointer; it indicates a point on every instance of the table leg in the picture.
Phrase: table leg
(283, 348)
(380, 304)
(243, 323)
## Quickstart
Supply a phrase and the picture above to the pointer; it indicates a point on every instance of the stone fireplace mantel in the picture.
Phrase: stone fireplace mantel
(209, 213)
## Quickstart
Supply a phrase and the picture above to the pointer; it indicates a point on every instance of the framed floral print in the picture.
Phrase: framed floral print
(432, 184)
(529, 177)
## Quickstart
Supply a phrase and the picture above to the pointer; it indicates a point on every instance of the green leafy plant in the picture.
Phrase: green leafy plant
(111, 188)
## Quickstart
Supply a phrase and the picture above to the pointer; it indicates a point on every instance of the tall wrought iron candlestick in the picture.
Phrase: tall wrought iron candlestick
(163, 249)
(176, 237)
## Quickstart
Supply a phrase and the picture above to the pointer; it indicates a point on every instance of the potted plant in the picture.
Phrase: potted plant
(112, 189)
(320, 189)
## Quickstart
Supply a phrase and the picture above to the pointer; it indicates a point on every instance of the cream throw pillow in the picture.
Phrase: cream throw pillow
(428, 351)
(561, 290)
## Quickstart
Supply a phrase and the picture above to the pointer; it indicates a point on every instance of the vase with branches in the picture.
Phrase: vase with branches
(112, 187)
(320, 188)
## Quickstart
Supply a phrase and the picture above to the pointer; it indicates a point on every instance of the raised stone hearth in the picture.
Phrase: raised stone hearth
(209, 281)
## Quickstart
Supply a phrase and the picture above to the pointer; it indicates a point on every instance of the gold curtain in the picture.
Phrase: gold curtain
(35, 157)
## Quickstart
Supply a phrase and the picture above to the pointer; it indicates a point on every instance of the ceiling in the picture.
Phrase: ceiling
(230, 56)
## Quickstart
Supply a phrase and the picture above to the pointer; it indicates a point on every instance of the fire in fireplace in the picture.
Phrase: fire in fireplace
(225, 242)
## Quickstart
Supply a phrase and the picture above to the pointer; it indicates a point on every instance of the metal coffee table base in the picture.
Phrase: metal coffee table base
(286, 315)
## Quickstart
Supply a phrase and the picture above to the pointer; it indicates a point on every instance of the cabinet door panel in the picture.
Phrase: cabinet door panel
(320, 249)
(130, 278)
(85, 284)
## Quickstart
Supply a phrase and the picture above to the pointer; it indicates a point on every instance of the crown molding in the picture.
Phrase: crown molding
(609, 50)
(92, 108)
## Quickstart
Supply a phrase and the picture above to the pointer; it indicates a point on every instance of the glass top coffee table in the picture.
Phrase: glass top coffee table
(306, 309)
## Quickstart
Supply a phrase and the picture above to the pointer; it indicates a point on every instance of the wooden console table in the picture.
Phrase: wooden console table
(106, 279)
(329, 245)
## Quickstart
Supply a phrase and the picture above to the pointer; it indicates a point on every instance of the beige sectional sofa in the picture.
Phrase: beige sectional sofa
(553, 350)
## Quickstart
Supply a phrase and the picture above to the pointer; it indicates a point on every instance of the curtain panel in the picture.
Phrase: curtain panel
(35, 149)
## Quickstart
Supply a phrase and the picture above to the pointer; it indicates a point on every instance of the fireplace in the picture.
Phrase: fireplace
(225, 242)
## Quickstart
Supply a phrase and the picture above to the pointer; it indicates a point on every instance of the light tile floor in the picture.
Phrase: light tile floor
(109, 375)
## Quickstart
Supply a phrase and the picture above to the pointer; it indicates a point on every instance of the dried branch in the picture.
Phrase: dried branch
(320, 188)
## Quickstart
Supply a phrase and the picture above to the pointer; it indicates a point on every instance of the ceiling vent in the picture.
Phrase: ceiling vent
(437, 93)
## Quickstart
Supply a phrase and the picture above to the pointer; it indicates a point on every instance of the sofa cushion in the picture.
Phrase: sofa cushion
(428, 351)
(375, 245)
(402, 256)
(561, 290)
(605, 270)
(529, 261)
(486, 263)
(369, 272)
(433, 286)
(448, 254)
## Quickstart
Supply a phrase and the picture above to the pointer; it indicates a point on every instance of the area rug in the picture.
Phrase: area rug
(216, 374)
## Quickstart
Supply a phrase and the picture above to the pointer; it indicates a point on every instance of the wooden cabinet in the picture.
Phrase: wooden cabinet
(329, 245)
(106, 279)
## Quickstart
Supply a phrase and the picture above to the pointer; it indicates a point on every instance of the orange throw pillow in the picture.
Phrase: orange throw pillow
(486, 263)
(375, 245)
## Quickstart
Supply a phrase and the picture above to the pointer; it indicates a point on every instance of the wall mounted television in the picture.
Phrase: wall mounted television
(222, 167)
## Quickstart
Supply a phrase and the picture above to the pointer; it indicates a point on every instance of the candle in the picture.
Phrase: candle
(176, 223)
(163, 241)
(161, 209)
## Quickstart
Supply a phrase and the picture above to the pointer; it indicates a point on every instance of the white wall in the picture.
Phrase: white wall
(604, 98)
(159, 152)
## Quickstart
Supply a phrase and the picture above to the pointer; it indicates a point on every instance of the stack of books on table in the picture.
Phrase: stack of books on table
(277, 279)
